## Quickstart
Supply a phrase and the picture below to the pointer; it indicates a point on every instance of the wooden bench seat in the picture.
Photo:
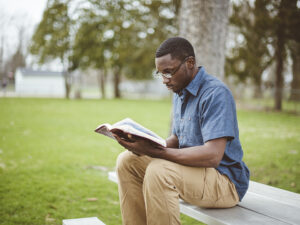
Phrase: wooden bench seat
(262, 204)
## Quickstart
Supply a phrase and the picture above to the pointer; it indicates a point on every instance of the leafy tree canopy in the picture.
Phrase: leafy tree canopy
(122, 34)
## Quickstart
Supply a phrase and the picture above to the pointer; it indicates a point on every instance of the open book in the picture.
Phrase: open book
(130, 127)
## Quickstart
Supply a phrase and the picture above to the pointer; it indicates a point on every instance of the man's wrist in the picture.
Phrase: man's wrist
(162, 152)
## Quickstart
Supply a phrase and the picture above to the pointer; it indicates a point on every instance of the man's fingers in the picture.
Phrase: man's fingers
(117, 138)
(123, 142)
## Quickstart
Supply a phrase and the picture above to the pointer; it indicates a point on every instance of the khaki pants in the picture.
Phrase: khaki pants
(149, 189)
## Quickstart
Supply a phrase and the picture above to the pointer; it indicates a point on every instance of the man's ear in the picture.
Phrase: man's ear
(191, 62)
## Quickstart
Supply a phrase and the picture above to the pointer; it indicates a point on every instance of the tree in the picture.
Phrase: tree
(88, 49)
(283, 23)
(115, 35)
(122, 36)
(154, 24)
(269, 27)
(295, 86)
(245, 57)
(294, 48)
(6, 23)
(1, 60)
(51, 39)
(280, 53)
(149, 23)
(204, 24)
(13, 51)
(18, 58)
(102, 41)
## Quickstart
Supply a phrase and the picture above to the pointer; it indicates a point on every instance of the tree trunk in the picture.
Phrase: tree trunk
(117, 79)
(67, 77)
(67, 84)
(204, 24)
(101, 83)
(279, 57)
(279, 74)
(258, 93)
(77, 85)
(295, 86)
(1, 60)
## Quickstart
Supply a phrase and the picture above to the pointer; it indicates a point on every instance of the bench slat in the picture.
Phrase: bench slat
(83, 221)
(286, 197)
(113, 176)
(235, 216)
(270, 207)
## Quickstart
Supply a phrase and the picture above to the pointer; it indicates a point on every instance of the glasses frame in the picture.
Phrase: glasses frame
(169, 75)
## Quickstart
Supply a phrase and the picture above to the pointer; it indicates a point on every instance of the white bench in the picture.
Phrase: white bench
(83, 221)
(262, 204)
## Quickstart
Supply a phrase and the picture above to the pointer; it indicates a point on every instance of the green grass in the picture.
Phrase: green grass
(48, 154)
(271, 142)
(268, 104)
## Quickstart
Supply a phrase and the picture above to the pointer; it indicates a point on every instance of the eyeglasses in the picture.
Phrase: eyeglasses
(169, 75)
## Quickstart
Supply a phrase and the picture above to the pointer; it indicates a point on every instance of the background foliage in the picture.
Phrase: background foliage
(118, 35)
(268, 36)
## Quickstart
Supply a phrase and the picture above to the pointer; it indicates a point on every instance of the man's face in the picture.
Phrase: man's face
(180, 79)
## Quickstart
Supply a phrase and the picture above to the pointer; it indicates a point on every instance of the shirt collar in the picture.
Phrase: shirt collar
(194, 85)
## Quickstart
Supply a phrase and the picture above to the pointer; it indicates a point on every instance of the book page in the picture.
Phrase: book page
(129, 126)
(136, 126)
(105, 130)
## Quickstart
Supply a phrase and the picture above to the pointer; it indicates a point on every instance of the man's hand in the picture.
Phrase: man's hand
(137, 145)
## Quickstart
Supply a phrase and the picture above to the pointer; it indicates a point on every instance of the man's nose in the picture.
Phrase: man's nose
(165, 80)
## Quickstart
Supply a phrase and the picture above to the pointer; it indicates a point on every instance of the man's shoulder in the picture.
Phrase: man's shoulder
(212, 85)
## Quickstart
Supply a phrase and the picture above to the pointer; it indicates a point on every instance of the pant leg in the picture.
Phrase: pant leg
(207, 188)
(165, 182)
(160, 194)
(131, 170)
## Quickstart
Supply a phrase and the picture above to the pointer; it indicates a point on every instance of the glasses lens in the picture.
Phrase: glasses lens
(157, 74)
(167, 75)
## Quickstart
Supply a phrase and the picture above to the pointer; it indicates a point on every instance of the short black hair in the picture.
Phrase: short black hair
(178, 47)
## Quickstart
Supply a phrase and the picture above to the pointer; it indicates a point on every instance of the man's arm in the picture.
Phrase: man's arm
(172, 141)
(207, 155)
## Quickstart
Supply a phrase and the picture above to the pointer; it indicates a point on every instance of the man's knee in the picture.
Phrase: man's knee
(159, 173)
(124, 160)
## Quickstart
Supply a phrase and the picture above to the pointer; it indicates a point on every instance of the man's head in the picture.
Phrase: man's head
(178, 47)
(175, 61)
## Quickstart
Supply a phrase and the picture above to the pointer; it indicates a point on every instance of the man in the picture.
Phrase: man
(202, 163)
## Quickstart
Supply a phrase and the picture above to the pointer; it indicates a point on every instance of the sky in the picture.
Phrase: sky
(14, 13)
(31, 8)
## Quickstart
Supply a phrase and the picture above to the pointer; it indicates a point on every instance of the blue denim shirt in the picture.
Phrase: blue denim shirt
(205, 110)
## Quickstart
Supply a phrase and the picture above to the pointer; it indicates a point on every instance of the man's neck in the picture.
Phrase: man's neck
(195, 71)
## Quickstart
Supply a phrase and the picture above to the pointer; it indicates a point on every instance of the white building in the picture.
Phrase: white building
(144, 89)
(30, 82)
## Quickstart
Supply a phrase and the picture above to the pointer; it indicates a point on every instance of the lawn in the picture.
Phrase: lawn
(53, 166)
